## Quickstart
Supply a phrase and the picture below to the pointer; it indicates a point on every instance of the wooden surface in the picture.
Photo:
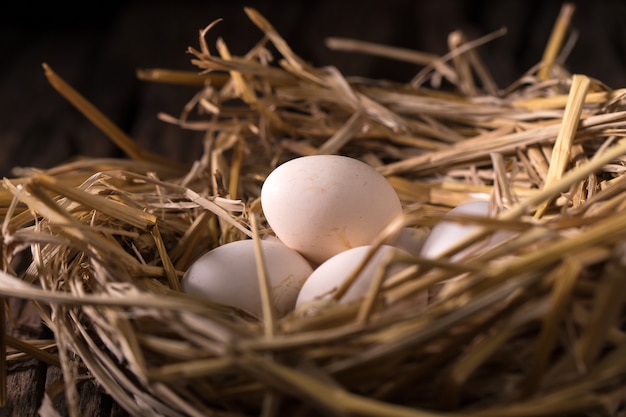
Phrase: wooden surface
(28, 379)
(98, 51)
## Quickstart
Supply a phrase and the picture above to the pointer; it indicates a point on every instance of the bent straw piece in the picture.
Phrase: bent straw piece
(94, 115)
(217, 210)
(565, 138)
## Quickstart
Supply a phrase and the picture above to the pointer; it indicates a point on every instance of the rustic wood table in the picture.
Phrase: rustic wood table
(98, 50)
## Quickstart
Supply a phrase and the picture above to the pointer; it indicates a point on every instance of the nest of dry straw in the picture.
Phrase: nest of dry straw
(536, 325)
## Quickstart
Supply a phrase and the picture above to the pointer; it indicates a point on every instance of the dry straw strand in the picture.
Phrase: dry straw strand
(104, 123)
(532, 325)
(565, 138)
(556, 40)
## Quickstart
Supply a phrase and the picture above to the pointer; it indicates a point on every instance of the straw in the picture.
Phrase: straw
(100, 120)
(524, 316)
(556, 40)
(565, 138)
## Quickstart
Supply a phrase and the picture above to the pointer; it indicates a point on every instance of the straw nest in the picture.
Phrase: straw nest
(534, 326)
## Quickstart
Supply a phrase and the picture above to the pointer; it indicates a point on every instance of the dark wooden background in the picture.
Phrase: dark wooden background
(98, 47)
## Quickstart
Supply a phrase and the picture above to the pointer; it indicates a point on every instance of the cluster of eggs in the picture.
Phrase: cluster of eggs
(325, 211)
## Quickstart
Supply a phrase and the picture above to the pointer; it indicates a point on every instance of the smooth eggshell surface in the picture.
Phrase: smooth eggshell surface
(324, 204)
(228, 275)
(445, 234)
(329, 276)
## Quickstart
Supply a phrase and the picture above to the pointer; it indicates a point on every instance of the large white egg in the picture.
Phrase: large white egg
(446, 234)
(325, 204)
(228, 275)
(329, 276)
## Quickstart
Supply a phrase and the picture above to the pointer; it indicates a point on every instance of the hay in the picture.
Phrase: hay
(535, 325)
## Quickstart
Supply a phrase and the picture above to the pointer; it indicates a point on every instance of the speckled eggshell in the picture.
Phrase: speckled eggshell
(228, 275)
(322, 205)
(329, 276)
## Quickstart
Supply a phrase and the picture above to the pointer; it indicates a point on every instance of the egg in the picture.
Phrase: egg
(228, 275)
(322, 205)
(446, 234)
(327, 278)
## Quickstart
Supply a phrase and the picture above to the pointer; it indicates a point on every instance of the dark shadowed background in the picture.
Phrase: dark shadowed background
(98, 48)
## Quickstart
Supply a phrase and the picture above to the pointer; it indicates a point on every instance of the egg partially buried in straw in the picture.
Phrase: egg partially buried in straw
(446, 234)
(327, 278)
(324, 204)
(228, 275)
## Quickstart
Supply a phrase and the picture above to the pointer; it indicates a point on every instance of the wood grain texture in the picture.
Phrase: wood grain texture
(27, 377)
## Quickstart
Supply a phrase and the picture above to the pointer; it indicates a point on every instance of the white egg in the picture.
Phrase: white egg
(445, 234)
(329, 276)
(324, 204)
(228, 275)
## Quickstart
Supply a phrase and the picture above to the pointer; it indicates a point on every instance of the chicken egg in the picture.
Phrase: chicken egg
(322, 205)
(327, 278)
(446, 234)
(228, 275)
